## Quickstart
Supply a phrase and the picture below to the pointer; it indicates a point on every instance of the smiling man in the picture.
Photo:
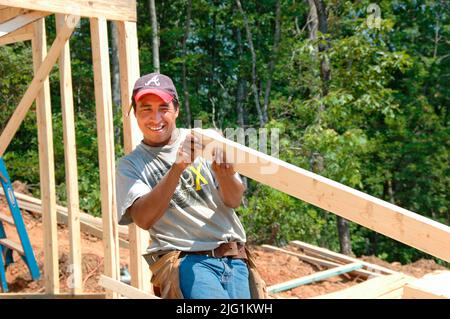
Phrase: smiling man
(187, 204)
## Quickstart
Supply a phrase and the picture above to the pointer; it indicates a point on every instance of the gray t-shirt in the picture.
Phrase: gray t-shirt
(196, 219)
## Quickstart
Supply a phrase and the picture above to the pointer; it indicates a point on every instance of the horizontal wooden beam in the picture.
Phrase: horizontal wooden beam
(376, 288)
(121, 10)
(20, 21)
(318, 276)
(36, 84)
(383, 217)
(124, 289)
(7, 13)
(22, 34)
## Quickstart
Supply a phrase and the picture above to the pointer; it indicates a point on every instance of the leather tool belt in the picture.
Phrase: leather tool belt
(233, 250)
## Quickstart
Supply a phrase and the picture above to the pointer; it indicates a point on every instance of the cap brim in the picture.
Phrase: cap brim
(166, 97)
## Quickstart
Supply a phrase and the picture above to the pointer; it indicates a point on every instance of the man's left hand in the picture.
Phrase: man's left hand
(219, 164)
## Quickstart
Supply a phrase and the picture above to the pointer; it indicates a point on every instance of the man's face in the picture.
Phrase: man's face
(156, 119)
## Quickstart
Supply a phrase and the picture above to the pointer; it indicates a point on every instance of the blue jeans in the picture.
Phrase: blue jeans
(203, 277)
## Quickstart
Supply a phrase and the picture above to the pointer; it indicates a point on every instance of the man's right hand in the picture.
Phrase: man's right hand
(188, 151)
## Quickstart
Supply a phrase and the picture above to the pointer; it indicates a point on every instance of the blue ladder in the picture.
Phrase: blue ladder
(7, 246)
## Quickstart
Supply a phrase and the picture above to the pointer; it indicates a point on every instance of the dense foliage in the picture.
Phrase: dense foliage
(382, 126)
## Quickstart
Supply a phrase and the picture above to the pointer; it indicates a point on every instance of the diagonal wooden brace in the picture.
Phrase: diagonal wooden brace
(36, 84)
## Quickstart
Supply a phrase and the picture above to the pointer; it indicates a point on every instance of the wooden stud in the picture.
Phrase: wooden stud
(70, 156)
(20, 21)
(122, 10)
(129, 73)
(103, 101)
(32, 91)
(124, 289)
(46, 164)
(383, 217)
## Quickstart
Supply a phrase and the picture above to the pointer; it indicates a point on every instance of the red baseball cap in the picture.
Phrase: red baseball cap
(154, 83)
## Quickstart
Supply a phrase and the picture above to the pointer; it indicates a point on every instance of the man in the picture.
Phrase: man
(184, 201)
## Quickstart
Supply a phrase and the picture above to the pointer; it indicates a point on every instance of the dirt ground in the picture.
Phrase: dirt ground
(274, 267)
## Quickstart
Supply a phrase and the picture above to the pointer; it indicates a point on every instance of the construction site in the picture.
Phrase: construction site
(53, 251)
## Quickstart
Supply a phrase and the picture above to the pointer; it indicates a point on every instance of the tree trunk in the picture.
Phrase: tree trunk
(276, 42)
(115, 78)
(241, 82)
(240, 96)
(155, 37)
(186, 104)
(254, 77)
(318, 9)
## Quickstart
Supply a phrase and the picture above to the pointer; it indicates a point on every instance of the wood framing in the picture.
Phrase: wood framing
(88, 223)
(389, 286)
(431, 286)
(22, 34)
(124, 289)
(341, 258)
(32, 91)
(70, 157)
(46, 163)
(388, 219)
(129, 73)
(105, 133)
(321, 262)
(122, 10)
(8, 13)
(20, 21)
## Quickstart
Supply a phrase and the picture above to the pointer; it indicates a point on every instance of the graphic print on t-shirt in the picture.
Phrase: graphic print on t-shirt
(190, 189)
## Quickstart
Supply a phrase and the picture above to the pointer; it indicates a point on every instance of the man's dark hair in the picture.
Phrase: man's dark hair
(175, 102)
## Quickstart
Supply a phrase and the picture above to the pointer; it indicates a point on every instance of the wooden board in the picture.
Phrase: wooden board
(129, 73)
(70, 158)
(12, 245)
(20, 21)
(383, 217)
(122, 10)
(342, 258)
(432, 286)
(46, 163)
(371, 289)
(105, 133)
(321, 262)
(22, 34)
(124, 289)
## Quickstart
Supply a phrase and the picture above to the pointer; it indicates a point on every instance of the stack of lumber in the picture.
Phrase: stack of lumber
(325, 258)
